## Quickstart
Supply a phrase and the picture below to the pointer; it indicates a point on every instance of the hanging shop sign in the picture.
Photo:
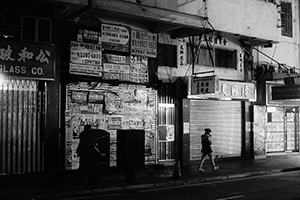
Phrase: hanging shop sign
(204, 85)
(115, 37)
(143, 43)
(181, 54)
(85, 59)
(285, 92)
(27, 60)
(231, 90)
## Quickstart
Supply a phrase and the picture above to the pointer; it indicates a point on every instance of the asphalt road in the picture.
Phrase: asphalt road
(284, 186)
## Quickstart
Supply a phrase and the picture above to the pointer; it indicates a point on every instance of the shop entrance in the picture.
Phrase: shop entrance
(282, 130)
(21, 105)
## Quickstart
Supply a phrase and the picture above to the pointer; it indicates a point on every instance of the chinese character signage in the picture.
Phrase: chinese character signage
(116, 66)
(181, 54)
(28, 60)
(204, 85)
(143, 43)
(88, 36)
(115, 38)
(283, 92)
(232, 90)
(85, 59)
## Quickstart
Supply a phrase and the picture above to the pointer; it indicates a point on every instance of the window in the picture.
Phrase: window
(36, 29)
(223, 57)
(286, 19)
(167, 55)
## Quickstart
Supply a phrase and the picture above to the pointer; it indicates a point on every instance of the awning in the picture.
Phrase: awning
(157, 20)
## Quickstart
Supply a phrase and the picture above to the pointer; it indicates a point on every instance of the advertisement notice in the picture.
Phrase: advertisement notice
(85, 59)
(115, 38)
(143, 43)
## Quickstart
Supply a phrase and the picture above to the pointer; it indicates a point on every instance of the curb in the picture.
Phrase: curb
(141, 187)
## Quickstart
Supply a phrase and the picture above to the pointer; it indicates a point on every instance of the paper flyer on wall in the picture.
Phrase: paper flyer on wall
(110, 108)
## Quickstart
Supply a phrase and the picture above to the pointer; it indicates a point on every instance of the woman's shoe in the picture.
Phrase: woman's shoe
(201, 170)
(216, 167)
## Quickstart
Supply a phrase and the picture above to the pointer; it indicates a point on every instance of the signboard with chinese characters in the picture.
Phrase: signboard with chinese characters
(27, 60)
(88, 36)
(181, 54)
(85, 59)
(116, 67)
(282, 92)
(287, 101)
(204, 85)
(232, 90)
(115, 38)
(143, 43)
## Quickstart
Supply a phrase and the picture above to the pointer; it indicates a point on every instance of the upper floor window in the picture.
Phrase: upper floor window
(286, 19)
(15, 26)
(223, 57)
(167, 55)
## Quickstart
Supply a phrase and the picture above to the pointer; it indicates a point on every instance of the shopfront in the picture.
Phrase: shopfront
(282, 130)
(24, 70)
(223, 112)
(109, 87)
(276, 124)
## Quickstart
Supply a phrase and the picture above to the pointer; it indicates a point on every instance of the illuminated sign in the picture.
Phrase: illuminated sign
(27, 60)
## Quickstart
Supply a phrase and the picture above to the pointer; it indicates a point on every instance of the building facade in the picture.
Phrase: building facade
(164, 70)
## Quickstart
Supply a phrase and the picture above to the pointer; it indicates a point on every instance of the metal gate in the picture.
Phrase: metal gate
(20, 125)
(166, 124)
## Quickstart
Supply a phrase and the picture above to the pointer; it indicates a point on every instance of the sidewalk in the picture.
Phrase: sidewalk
(70, 185)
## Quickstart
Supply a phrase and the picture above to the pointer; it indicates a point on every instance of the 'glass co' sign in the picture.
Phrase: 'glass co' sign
(28, 60)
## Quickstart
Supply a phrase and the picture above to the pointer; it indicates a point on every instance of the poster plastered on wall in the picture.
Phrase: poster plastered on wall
(143, 43)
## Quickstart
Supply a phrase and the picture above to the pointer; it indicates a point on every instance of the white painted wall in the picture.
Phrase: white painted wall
(254, 18)
(287, 50)
(192, 7)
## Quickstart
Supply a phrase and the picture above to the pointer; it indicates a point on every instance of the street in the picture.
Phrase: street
(278, 186)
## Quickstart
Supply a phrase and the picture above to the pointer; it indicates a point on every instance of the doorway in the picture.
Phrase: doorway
(282, 130)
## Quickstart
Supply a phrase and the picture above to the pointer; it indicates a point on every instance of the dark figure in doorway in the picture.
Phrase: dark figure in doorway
(93, 153)
(207, 150)
(82, 149)
(83, 154)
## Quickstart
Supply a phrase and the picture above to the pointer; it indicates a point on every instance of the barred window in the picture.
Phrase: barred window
(286, 19)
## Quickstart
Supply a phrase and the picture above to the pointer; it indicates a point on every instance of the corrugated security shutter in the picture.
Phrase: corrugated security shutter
(20, 139)
(224, 118)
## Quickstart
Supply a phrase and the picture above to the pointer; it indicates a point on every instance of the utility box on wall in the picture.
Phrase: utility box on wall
(130, 148)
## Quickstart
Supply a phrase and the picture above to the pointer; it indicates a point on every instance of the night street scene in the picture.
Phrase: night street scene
(149, 99)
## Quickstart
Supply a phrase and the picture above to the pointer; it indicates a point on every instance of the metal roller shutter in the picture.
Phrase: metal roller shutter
(224, 118)
(20, 119)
